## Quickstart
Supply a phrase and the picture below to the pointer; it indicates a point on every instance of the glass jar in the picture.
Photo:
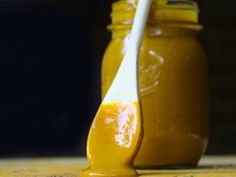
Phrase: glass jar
(173, 81)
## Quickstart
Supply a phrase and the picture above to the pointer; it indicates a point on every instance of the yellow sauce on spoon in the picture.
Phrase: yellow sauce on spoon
(114, 139)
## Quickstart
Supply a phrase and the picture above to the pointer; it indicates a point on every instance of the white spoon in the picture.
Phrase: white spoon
(115, 134)
(125, 85)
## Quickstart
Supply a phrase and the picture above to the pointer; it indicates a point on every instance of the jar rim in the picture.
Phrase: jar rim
(170, 4)
(172, 12)
(181, 4)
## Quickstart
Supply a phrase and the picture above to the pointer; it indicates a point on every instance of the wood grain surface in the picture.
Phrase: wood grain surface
(211, 166)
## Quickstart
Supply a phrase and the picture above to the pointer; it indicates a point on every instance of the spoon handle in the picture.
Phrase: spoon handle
(125, 84)
(139, 23)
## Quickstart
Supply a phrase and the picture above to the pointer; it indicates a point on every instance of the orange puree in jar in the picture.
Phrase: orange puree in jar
(172, 79)
(114, 139)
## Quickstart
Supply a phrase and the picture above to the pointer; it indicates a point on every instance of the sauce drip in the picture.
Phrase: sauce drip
(114, 139)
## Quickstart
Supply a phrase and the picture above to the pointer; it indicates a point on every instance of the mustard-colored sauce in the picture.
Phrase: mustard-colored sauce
(114, 139)
(173, 84)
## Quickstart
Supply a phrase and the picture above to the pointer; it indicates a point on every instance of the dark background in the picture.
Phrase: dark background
(50, 56)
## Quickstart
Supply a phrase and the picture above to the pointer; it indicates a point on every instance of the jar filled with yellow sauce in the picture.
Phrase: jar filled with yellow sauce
(173, 81)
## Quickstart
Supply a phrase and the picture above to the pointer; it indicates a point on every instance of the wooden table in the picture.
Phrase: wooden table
(210, 166)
